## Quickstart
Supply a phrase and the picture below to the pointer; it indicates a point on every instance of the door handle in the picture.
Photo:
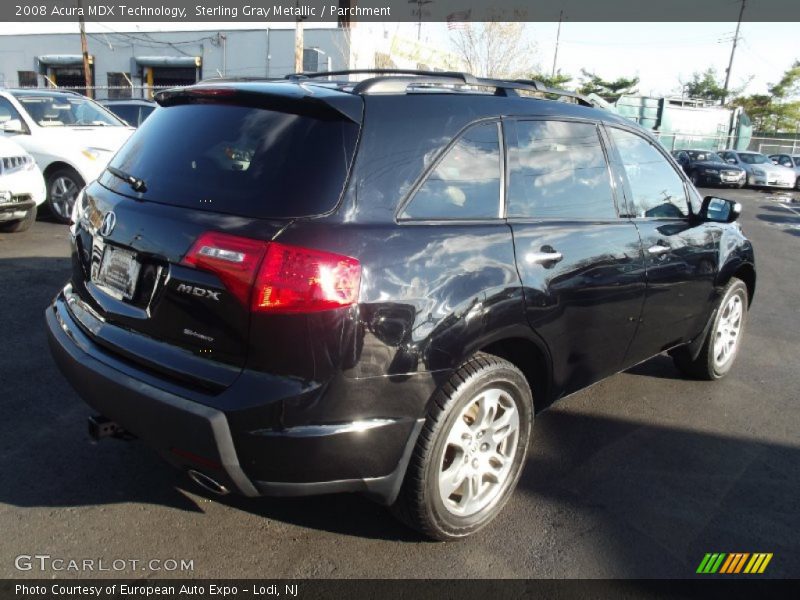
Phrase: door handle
(540, 258)
(657, 249)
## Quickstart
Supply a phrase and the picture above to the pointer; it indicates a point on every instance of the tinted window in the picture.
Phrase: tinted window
(239, 160)
(657, 189)
(129, 113)
(559, 170)
(466, 182)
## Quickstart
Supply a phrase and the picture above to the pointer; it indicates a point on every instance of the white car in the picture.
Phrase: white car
(761, 172)
(71, 137)
(21, 187)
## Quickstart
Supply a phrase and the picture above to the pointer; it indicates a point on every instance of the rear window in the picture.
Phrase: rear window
(239, 160)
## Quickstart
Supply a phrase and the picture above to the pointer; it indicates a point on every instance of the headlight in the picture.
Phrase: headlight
(77, 209)
(759, 172)
(95, 153)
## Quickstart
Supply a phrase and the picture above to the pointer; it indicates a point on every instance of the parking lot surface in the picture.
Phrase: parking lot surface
(638, 476)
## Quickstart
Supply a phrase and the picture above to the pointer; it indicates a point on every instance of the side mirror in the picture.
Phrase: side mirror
(13, 126)
(720, 210)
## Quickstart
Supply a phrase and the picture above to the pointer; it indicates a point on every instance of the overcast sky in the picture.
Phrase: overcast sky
(661, 54)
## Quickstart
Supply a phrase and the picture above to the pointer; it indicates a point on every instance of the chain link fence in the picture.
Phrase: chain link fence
(765, 145)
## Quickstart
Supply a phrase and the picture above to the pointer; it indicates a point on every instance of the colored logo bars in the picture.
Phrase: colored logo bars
(734, 563)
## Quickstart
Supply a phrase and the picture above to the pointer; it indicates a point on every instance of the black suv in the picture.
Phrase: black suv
(317, 285)
(705, 167)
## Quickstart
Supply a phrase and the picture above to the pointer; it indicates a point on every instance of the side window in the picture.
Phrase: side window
(7, 112)
(657, 189)
(466, 182)
(727, 156)
(558, 170)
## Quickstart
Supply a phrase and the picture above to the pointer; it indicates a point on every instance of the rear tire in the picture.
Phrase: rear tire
(20, 224)
(797, 184)
(63, 187)
(473, 445)
(723, 340)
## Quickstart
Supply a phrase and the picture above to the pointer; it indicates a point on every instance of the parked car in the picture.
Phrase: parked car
(21, 187)
(132, 110)
(705, 167)
(760, 170)
(790, 161)
(70, 136)
(459, 260)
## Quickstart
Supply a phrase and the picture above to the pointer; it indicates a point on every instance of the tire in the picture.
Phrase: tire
(449, 449)
(797, 184)
(694, 179)
(63, 187)
(20, 224)
(716, 358)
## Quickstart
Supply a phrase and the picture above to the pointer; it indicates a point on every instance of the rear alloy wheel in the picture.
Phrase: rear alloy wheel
(63, 187)
(470, 452)
(723, 340)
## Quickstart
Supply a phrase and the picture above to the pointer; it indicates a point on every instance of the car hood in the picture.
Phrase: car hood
(105, 138)
(10, 148)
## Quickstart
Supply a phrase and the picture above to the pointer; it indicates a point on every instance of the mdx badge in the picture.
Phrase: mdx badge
(108, 224)
(198, 291)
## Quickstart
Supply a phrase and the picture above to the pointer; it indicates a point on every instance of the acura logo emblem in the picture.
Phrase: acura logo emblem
(109, 221)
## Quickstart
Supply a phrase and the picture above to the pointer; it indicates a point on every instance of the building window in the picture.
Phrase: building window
(119, 85)
(27, 79)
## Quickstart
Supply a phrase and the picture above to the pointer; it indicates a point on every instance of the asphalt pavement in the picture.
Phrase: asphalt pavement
(637, 476)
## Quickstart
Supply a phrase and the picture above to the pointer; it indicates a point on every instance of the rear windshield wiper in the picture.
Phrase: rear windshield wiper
(136, 183)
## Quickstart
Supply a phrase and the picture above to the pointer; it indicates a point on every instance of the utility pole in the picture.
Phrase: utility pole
(420, 12)
(298, 43)
(87, 73)
(733, 51)
(558, 37)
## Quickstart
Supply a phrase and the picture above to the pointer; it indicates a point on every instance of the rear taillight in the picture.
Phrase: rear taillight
(288, 279)
(293, 280)
(233, 259)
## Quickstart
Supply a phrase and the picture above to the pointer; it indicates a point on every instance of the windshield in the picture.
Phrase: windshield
(705, 156)
(239, 160)
(60, 111)
(754, 159)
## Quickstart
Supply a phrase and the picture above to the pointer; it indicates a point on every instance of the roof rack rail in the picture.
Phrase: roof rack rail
(399, 80)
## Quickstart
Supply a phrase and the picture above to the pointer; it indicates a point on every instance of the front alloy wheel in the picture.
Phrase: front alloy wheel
(721, 345)
(63, 187)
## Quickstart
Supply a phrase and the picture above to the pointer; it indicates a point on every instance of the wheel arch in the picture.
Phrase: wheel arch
(529, 355)
(57, 165)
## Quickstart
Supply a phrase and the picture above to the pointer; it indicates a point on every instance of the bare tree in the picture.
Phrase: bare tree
(495, 49)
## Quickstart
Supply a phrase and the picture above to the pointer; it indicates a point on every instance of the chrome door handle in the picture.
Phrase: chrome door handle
(543, 257)
(657, 249)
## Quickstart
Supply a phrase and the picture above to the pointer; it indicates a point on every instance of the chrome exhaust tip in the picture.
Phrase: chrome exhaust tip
(208, 483)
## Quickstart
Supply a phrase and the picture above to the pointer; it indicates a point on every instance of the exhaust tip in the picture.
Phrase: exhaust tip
(208, 483)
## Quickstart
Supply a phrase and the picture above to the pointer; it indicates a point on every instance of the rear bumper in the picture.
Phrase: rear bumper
(361, 455)
(12, 211)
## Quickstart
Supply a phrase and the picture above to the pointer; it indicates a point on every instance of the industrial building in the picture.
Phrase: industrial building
(131, 64)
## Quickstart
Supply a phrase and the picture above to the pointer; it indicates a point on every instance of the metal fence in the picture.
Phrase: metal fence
(765, 145)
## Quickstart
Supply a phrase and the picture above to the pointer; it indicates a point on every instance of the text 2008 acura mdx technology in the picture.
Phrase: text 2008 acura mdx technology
(317, 285)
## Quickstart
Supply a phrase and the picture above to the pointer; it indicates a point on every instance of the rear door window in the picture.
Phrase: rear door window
(239, 160)
(558, 170)
(466, 182)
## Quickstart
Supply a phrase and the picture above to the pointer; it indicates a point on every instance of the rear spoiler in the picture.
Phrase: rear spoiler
(309, 101)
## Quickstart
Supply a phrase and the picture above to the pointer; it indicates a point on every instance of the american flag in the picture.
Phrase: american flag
(458, 20)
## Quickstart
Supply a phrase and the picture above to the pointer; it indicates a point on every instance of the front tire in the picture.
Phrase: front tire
(20, 224)
(723, 339)
(470, 452)
(63, 187)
